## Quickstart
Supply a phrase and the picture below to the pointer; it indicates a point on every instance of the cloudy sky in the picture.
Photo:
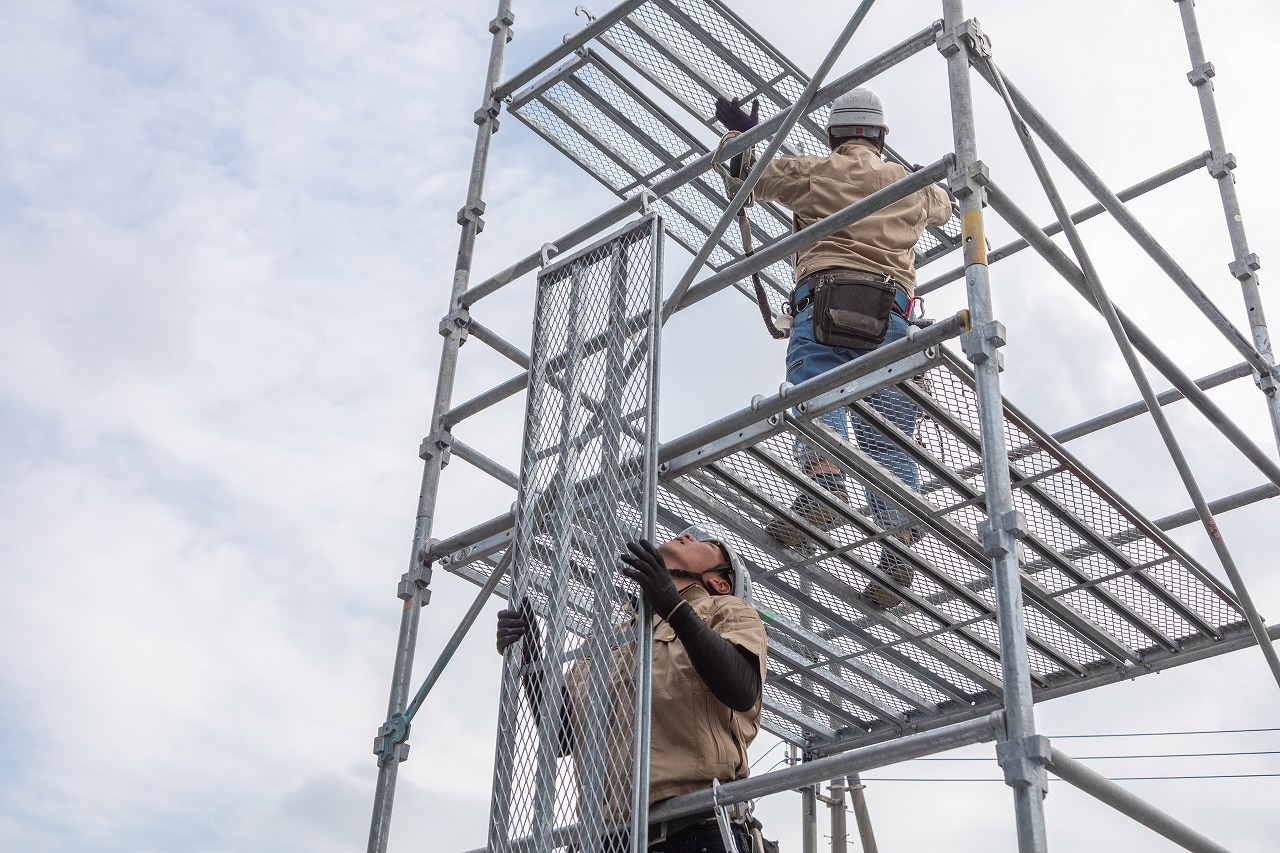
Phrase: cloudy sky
(226, 239)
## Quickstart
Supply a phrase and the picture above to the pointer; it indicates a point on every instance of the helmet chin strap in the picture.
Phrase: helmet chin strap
(697, 576)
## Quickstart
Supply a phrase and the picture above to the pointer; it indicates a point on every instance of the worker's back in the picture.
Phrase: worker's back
(816, 187)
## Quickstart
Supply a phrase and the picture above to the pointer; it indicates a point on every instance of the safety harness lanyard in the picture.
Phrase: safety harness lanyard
(722, 818)
(731, 185)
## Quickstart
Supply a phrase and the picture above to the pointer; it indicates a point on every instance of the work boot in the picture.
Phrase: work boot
(880, 596)
(813, 511)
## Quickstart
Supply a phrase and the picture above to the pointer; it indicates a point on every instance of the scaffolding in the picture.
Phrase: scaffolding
(1032, 577)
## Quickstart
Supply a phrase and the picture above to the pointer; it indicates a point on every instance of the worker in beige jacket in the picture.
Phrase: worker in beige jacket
(854, 292)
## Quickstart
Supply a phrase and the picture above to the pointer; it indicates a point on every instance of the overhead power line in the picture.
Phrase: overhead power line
(1167, 734)
(1111, 778)
(1158, 755)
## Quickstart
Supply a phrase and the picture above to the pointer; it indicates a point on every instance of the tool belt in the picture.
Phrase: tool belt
(850, 307)
(668, 829)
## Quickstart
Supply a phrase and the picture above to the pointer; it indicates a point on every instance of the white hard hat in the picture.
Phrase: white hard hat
(858, 108)
(737, 570)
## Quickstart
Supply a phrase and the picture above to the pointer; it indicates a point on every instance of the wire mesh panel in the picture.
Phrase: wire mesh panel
(602, 122)
(871, 636)
(572, 755)
(690, 51)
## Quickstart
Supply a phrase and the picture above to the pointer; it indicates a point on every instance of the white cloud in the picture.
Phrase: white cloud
(226, 238)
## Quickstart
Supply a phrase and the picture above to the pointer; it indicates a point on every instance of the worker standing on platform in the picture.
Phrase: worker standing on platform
(854, 292)
(708, 674)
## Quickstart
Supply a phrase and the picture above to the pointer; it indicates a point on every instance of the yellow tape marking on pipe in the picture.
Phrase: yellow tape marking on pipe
(975, 241)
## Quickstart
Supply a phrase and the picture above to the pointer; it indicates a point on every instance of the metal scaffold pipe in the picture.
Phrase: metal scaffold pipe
(1021, 753)
(744, 192)
(1092, 182)
(1049, 250)
(1094, 282)
(1245, 266)
(391, 747)
(1096, 785)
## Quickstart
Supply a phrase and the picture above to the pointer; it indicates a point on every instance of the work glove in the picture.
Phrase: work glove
(731, 115)
(513, 625)
(645, 566)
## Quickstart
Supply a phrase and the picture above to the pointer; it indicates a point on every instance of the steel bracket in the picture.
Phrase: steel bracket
(473, 213)
(458, 320)
(1002, 537)
(1201, 75)
(390, 741)
(1220, 167)
(1245, 267)
(970, 37)
(439, 442)
(415, 585)
(1024, 761)
(982, 343)
(745, 437)
(488, 113)
(971, 180)
(504, 22)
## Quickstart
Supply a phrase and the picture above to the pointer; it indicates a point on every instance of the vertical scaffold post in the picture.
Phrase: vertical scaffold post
(839, 826)
(1022, 754)
(1244, 267)
(808, 815)
(391, 746)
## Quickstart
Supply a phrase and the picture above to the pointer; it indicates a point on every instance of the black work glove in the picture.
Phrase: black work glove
(731, 115)
(646, 567)
(514, 624)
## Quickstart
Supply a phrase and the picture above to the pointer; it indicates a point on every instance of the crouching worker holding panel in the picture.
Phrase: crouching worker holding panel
(708, 676)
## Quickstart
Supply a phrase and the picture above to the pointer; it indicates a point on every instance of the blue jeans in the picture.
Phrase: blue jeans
(806, 358)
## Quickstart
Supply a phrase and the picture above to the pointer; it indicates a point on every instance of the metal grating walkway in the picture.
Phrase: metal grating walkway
(687, 52)
(1106, 594)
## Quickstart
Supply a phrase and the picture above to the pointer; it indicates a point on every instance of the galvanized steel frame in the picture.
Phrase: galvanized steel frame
(808, 666)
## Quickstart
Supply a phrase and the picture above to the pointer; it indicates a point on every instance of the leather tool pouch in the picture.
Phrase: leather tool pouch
(852, 309)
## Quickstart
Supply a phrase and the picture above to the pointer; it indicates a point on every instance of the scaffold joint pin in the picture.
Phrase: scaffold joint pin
(390, 741)
(458, 320)
(438, 443)
(982, 343)
(1001, 537)
(1221, 166)
(1245, 267)
(1024, 761)
(1201, 75)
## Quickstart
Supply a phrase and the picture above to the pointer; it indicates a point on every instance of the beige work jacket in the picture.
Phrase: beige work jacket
(694, 737)
(813, 188)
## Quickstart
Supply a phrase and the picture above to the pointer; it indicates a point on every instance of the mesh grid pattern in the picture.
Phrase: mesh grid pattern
(696, 50)
(692, 51)
(564, 775)
(1104, 592)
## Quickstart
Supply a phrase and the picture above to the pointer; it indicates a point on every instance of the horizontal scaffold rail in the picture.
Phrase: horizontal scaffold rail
(1107, 595)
